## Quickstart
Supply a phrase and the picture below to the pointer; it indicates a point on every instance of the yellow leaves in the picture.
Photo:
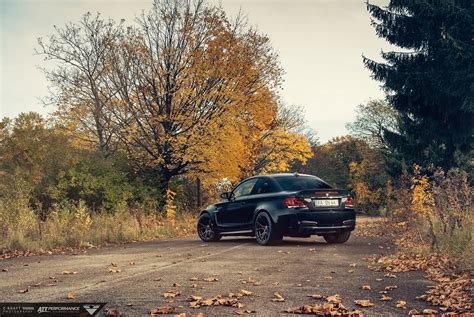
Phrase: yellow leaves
(422, 201)
(170, 207)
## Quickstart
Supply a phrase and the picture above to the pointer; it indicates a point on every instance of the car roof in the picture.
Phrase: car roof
(284, 175)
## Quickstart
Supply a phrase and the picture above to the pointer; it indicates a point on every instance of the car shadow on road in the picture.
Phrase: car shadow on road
(285, 242)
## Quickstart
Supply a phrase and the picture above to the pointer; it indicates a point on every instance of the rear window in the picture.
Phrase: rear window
(291, 183)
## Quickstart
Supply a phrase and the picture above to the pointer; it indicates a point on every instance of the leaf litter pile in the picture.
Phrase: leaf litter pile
(452, 292)
(332, 307)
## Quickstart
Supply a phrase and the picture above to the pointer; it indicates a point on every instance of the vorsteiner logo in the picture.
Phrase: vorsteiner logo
(91, 309)
(53, 309)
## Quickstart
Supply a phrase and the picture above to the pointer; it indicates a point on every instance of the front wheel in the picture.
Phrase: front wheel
(265, 231)
(206, 229)
(337, 237)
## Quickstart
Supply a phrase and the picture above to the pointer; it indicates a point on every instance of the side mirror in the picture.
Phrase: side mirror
(225, 195)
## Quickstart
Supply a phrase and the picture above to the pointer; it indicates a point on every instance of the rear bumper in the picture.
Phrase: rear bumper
(312, 227)
(305, 222)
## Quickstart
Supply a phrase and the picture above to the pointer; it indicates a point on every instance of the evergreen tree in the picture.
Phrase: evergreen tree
(430, 82)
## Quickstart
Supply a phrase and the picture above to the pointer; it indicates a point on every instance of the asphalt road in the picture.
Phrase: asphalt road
(141, 272)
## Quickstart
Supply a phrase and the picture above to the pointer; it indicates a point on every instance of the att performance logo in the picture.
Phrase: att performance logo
(56, 309)
(50, 309)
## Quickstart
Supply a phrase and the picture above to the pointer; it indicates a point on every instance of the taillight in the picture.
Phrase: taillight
(349, 202)
(294, 202)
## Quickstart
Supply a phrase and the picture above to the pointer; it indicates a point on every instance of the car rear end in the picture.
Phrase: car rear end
(315, 211)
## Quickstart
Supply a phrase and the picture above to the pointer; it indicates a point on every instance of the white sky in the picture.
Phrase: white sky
(320, 43)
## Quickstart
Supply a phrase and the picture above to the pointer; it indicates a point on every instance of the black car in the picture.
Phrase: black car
(272, 206)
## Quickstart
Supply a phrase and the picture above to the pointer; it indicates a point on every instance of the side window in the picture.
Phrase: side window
(263, 186)
(245, 188)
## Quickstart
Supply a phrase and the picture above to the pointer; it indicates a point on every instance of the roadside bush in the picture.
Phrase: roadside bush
(438, 208)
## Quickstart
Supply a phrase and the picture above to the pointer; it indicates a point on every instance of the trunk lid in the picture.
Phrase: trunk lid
(324, 198)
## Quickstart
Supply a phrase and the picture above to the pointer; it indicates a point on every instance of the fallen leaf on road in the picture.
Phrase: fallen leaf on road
(211, 279)
(23, 291)
(112, 270)
(390, 275)
(176, 285)
(312, 250)
(68, 272)
(162, 310)
(366, 287)
(385, 298)
(71, 296)
(390, 287)
(352, 265)
(193, 279)
(324, 310)
(328, 277)
(170, 294)
(335, 299)
(364, 303)
(413, 312)
(193, 298)
(350, 271)
(277, 297)
(379, 279)
(275, 283)
(245, 292)
(401, 304)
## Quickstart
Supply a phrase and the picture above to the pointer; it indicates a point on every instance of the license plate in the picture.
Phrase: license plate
(326, 202)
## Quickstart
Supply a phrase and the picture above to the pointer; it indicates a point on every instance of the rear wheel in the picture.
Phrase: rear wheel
(337, 237)
(265, 231)
(206, 229)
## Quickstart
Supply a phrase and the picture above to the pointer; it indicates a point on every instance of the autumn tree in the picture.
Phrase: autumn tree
(182, 68)
(430, 81)
(79, 83)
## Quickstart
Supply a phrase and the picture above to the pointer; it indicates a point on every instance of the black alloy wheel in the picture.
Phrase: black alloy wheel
(206, 229)
(265, 231)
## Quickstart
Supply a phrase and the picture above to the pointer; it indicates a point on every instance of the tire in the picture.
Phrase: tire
(206, 229)
(337, 237)
(265, 231)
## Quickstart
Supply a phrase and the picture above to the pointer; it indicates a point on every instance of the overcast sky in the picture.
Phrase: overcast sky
(320, 43)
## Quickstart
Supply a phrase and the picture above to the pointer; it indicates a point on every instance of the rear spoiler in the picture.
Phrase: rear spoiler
(323, 193)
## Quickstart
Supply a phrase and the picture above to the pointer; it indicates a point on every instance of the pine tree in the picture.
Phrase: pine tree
(430, 81)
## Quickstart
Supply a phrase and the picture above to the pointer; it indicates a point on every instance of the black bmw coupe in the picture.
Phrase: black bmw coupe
(272, 206)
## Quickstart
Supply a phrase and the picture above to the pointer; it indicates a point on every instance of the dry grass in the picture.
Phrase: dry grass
(22, 230)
